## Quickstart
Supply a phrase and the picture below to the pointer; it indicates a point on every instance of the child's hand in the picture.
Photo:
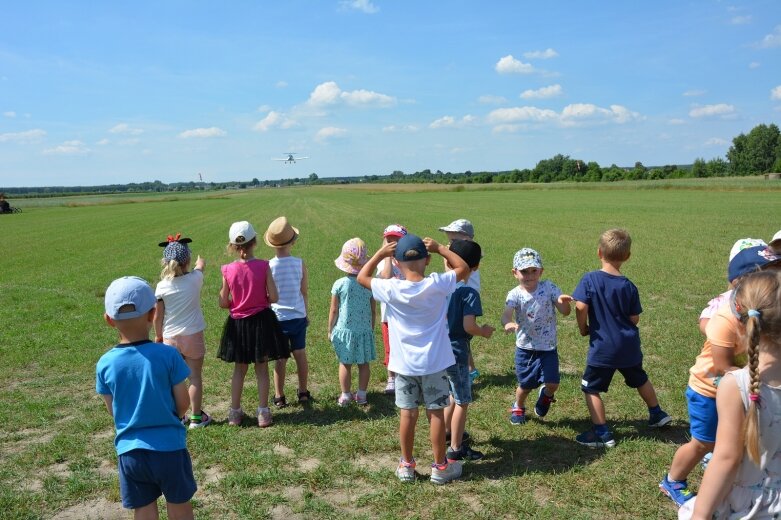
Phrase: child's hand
(510, 327)
(565, 299)
(200, 263)
(158, 339)
(487, 331)
(432, 246)
(387, 249)
(584, 331)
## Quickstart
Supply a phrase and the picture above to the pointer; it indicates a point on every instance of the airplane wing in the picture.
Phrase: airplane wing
(301, 158)
(275, 159)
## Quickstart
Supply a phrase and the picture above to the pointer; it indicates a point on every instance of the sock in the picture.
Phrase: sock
(262, 409)
(654, 410)
(346, 395)
(601, 429)
(361, 394)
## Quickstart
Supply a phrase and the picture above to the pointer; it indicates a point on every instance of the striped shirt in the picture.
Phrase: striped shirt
(288, 272)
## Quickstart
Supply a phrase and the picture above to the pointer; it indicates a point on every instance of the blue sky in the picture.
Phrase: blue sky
(116, 92)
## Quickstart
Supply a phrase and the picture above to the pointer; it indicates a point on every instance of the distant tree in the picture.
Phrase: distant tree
(313, 178)
(594, 172)
(255, 181)
(717, 167)
(756, 152)
(699, 168)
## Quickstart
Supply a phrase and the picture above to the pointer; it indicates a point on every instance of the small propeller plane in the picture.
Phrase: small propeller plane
(291, 158)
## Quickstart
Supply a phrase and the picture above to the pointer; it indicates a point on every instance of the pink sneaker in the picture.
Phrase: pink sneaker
(235, 416)
(264, 418)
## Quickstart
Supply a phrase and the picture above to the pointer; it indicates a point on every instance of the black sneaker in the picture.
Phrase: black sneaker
(465, 437)
(463, 453)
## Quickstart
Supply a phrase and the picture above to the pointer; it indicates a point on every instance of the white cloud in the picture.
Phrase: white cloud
(68, 148)
(203, 132)
(509, 65)
(541, 55)
(716, 141)
(10, 114)
(543, 93)
(676, 121)
(281, 84)
(513, 115)
(264, 108)
(586, 112)
(491, 100)
(124, 128)
(103, 142)
(775, 93)
(771, 40)
(740, 20)
(404, 128)
(506, 129)
(721, 109)
(28, 136)
(364, 6)
(754, 65)
(274, 119)
(450, 121)
(329, 132)
(329, 93)
(694, 93)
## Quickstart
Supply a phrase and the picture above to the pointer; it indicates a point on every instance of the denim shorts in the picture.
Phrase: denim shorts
(460, 383)
(703, 418)
(536, 367)
(431, 390)
(597, 379)
(144, 475)
(295, 330)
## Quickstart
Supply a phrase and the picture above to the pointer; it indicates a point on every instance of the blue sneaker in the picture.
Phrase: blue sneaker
(678, 492)
(474, 374)
(517, 415)
(592, 440)
(659, 419)
(543, 403)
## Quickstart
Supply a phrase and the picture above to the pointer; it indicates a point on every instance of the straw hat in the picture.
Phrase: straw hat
(353, 256)
(280, 233)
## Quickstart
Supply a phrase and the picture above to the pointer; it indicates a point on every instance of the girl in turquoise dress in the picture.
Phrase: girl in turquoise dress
(351, 323)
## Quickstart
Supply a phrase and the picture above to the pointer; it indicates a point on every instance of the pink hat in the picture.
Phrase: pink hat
(353, 256)
(394, 230)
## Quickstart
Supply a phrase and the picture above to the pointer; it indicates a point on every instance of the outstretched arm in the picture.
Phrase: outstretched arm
(471, 327)
(365, 275)
(563, 304)
(200, 263)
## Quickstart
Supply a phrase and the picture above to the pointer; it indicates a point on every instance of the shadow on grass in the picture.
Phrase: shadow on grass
(324, 411)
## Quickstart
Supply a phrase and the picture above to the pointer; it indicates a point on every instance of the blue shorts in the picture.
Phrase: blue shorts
(144, 475)
(460, 383)
(295, 330)
(597, 379)
(536, 367)
(703, 417)
(431, 390)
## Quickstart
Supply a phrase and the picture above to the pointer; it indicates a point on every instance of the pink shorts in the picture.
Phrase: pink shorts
(191, 346)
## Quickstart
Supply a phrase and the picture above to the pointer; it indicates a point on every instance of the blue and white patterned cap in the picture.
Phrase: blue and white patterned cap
(177, 251)
(526, 258)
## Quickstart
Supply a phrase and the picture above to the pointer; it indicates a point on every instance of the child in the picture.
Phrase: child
(743, 478)
(420, 349)
(351, 323)
(722, 352)
(143, 386)
(463, 229)
(388, 268)
(251, 333)
(178, 317)
(462, 311)
(290, 277)
(607, 309)
(530, 312)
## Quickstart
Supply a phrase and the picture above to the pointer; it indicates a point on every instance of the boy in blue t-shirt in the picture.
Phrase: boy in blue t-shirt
(143, 386)
(607, 309)
(463, 308)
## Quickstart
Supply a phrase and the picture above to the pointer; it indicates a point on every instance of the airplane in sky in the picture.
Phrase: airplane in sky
(291, 159)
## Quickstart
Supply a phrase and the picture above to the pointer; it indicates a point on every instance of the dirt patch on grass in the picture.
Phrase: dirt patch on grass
(98, 509)
(308, 465)
(377, 462)
(283, 451)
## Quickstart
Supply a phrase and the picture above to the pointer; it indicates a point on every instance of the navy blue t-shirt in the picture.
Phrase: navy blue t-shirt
(614, 340)
(465, 301)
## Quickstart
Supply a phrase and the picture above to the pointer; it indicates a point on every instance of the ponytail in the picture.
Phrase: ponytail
(171, 269)
(751, 426)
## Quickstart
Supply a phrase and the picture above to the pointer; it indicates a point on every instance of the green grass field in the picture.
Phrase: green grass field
(56, 452)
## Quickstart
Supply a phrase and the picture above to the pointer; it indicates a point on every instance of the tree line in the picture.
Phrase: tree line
(755, 153)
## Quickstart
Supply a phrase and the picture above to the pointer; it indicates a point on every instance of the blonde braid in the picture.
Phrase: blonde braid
(751, 427)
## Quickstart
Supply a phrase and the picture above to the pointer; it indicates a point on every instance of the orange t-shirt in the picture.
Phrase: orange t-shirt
(723, 330)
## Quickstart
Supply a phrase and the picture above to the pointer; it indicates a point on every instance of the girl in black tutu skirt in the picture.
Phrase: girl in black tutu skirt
(252, 333)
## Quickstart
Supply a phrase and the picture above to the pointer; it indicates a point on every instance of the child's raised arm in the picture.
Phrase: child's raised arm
(581, 314)
(455, 261)
(333, 314)
(508, 322)
(200, 263)
(563, 304)
(365, 275)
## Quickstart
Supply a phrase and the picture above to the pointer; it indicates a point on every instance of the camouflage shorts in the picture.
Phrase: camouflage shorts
(431, 390)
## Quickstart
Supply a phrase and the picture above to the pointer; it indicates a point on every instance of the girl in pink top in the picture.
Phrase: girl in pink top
(252, 333)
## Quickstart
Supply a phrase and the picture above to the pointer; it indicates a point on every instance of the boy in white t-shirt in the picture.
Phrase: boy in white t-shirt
(420, 350)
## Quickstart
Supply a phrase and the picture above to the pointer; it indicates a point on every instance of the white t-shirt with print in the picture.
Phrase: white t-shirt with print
(182, 299)
(417, 322)
(535, 314)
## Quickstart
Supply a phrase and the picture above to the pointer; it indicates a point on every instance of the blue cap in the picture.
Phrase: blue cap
(129, 290)
(749, 260)
(410, 247)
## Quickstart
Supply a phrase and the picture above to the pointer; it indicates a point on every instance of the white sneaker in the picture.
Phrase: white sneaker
(205, 420)
(442, 474)
(406, 471)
